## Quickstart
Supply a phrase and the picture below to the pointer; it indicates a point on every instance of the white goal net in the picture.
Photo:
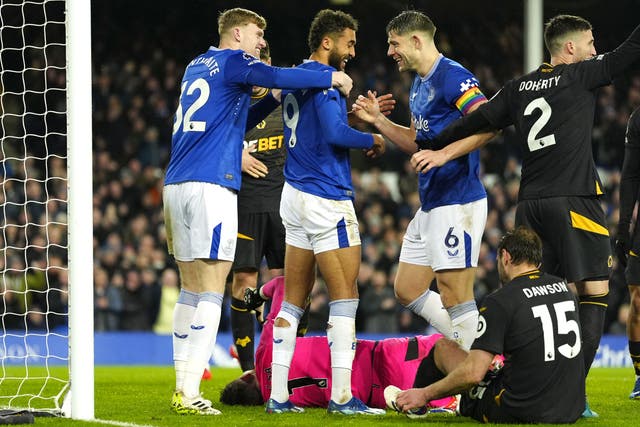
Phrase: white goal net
(34, 348)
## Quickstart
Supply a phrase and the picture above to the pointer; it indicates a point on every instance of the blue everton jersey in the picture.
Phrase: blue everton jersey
(435, 100)
(211, 118)
(318, 140)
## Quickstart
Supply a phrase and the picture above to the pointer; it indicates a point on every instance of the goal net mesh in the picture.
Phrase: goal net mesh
(34, 335)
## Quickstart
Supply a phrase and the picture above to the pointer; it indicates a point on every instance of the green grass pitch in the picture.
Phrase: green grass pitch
(140, 396)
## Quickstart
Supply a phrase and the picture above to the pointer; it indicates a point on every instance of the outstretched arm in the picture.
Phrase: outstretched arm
(625, 54)
(368, 110)
(425, 160)
(337, 131)
(386, 102)
(465, 376)
(464, 132)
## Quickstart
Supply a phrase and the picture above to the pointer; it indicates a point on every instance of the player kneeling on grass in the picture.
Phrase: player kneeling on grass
(533, 321)
(377, 364)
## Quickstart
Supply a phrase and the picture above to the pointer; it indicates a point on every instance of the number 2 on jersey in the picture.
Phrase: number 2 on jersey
(187, 124)
(565, 326)
(535, 142)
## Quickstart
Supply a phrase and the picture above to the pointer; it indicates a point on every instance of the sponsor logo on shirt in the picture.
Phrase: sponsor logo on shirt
(265, 144)
(420, 123)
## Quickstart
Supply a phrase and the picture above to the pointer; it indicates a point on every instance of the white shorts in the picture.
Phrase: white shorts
(201, 221)
(318, 224)
(446, 237)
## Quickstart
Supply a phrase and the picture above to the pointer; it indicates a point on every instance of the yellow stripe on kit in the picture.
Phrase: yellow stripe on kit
(583, 223)
(598, 189)
(244, 237)
(499, 396)
(604, 294)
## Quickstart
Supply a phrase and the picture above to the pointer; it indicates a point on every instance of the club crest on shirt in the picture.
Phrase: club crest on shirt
(432, 93)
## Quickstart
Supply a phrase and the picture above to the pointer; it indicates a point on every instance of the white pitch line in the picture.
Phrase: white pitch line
(118, 423)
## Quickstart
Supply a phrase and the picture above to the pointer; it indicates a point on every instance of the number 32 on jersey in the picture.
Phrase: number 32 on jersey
(187, 124)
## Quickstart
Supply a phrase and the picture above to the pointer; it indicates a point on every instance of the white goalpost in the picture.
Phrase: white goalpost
(80, 160)
(46, 225)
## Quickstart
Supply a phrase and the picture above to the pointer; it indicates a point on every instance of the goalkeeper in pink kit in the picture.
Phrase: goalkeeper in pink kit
(377, 364)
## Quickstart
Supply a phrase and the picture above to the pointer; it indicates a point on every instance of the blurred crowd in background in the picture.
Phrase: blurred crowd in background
(136, 83)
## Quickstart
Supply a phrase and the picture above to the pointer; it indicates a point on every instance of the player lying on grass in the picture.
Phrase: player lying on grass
(377, 364)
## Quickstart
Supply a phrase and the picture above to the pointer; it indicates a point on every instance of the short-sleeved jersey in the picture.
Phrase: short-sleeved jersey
(211, 118)
(533, 321)
(263, 194)
(552, 109)
(319, 139)
(435, 100)
(630, 181)
(377, 364)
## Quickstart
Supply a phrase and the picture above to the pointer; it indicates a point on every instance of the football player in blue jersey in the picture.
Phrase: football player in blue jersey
(319, 217)
(443, 239)
(203, 177)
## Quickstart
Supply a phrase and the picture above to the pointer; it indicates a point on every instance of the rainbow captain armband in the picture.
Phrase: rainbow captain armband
(470, 98)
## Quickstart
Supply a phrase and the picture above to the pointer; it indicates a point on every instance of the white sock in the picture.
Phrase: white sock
(341, 334)
(464, 319)
(429, 307)
(183, 313)
(284, 344)
(202, 339)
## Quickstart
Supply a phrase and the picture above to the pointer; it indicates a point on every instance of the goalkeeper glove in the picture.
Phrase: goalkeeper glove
(252, 299)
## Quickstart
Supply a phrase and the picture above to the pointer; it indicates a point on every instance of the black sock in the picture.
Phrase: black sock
(428, 372)
(304, 323)
(243, 330)
(593, 309)
(634, 351)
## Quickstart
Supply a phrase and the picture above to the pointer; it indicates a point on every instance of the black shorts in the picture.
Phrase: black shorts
(259, 235)
(632, 272)
(575, 238)
(480, 402)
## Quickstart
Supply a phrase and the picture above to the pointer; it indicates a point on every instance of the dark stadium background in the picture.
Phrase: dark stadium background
(140, 49)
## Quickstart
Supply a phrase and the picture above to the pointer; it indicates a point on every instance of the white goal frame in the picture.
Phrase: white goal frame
(80, 191)
(78, 389)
